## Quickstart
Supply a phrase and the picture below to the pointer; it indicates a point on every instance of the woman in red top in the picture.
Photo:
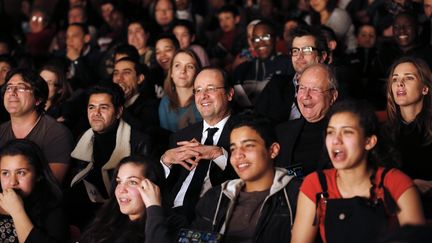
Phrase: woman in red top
(356, 201)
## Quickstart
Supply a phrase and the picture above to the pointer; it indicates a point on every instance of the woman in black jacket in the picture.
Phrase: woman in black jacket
(132, 214)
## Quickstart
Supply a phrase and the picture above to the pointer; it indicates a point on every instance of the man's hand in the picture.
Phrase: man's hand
(207, 152)
(185, 155)
(190, 153)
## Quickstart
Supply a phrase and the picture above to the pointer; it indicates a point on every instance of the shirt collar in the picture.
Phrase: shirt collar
(219, 125)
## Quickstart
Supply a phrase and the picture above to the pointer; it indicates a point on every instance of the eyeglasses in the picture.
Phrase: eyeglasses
(313, 91)
(307, 50)
(37, 19)
(18, 88)
(208, 89)
(258, 39)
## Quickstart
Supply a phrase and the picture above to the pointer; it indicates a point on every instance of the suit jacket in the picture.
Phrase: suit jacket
(179, 173)
(288, 135)
(276, 99)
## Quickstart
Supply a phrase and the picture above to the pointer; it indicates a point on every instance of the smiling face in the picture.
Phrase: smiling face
(301, 61)
(250, 158)
(404, 32)
(183, 70)
(101, 112)
(128, 180)
(317, 96)
(19, 104)
(407, 88)
(346, 143)
(263, 48)
(137, 36)
(127, 78)
(17, 173)
(213, 106)
(165, 50)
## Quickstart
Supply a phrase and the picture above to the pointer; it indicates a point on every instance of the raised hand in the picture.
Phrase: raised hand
(150, 193)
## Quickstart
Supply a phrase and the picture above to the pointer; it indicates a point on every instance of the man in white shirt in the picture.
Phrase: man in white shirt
(196, 162)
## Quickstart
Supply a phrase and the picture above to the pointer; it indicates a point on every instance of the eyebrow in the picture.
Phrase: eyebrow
(245, 141)
(103, 104)
(15, 169)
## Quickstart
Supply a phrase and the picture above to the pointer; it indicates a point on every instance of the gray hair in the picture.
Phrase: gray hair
(331, 77)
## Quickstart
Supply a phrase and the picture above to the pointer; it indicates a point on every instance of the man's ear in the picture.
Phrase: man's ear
(237, 19)
(332, 45)
(119, 112)
(193, 38)
(335, 95)
(274, 150)
(230, 94)
(141, 78)
(87, 38)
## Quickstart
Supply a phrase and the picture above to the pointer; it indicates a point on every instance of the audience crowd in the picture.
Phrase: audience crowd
(216, 121)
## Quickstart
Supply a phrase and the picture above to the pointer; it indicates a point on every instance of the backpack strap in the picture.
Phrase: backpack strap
(390, 203)
(320, 195)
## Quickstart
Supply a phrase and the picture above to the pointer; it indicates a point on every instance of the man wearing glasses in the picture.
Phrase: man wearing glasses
(277, 101)
(24, 97)
(252, 76)
(198, 156)
(302, 140)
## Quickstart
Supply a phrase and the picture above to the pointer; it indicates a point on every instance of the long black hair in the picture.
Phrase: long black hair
(379, 155)
(46, 193)
(110, 223)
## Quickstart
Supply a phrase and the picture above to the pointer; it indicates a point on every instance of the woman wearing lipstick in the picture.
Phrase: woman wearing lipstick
(133, 212)
(409, 124)
(30, 198)
(357, 200)
(177, 108)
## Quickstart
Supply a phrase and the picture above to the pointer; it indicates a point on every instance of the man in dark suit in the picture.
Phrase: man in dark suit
(302, 140)
(198, 158)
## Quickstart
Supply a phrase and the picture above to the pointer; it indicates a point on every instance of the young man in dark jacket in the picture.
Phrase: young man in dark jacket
(260, 206)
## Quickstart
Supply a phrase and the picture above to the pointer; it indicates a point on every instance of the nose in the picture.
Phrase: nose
(13, 182)
(121, 188)
(336, 138)
(401, 82)
(238, 153)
